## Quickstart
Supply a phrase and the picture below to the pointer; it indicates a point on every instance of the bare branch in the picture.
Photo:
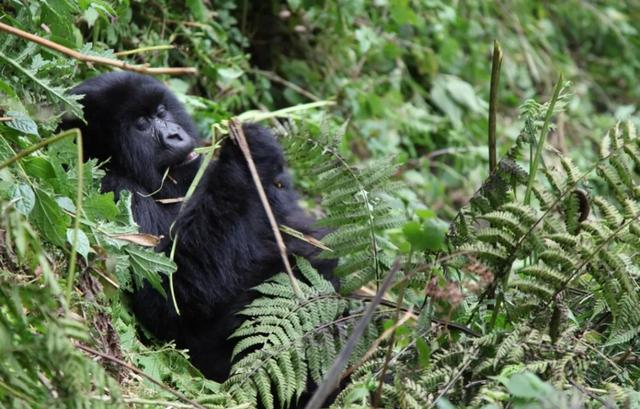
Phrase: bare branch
(92, 59)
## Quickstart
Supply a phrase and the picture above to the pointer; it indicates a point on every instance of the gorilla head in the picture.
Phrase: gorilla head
(141, 132)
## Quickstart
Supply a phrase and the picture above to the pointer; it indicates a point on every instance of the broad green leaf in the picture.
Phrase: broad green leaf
(24, 196)
(435, 231)
(402, 13)
(90, 16)
(414, 234)
(294, 4)
(7, 89)
(38, 167)
(55, 14)
(66, 204)
(49, 218)
(463, 93)
(445, 103)
(6, 151)
(443, 403)
(101, 206)
(527, 385)
(424, 352)
(426, 236)
(22, 123)
(229, 74)
(118, 264)
(83, 246)
(197, 9)
(358, 393)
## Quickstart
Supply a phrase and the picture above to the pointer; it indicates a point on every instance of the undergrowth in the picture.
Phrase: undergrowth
(521, 301)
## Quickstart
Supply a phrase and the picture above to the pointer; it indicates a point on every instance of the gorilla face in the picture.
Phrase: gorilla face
(270, 163)
(164, 141)
(137, 125)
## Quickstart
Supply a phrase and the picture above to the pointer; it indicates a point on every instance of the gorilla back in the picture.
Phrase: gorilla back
(225, 245)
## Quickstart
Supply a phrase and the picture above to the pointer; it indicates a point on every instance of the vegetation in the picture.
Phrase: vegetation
(514, 288)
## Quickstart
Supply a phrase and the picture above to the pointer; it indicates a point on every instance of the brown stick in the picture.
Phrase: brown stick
(92, 59)
(138, 371)
(493, 102)
(237, 134)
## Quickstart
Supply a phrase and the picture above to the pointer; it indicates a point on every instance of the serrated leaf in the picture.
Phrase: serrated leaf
(56, 93)
(125, 215)
(49, 218)
(147, 264)
(101, 206)
(119, 265)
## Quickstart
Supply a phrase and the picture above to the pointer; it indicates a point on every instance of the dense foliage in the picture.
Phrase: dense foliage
(517, 288)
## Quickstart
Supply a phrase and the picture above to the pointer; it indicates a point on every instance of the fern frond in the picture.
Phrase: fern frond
(285, 338)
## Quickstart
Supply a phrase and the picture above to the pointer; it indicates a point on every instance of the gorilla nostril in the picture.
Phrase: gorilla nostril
(174, 137)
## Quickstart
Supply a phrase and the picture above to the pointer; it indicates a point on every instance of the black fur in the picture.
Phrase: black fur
(225, 243)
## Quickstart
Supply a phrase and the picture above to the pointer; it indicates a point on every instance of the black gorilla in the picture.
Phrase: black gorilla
(225, 245)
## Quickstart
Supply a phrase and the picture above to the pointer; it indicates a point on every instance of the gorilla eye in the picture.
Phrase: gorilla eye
(161, 111)
(142, 123)
(278, 184)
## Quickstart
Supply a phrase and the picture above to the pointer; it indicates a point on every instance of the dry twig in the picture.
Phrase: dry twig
(237, 134)
(92, 59)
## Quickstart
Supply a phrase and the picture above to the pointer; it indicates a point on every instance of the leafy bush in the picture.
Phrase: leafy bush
(528, 298)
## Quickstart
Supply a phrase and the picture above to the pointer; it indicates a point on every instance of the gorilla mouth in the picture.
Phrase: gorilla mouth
(190, 158)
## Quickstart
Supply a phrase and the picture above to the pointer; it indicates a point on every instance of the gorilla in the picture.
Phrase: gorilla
(225, 245)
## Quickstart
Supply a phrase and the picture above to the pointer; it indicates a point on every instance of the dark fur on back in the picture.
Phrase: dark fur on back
(225, 244)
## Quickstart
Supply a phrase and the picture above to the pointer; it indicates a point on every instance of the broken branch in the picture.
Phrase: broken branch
(92, 59)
